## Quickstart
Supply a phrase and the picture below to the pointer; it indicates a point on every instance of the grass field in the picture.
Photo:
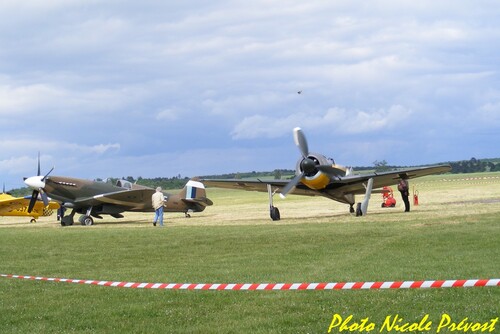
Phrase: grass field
(453, 234)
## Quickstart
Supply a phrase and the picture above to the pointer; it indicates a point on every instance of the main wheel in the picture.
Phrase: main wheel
(275, 213)
(67, 220)
(358, 210)
(86, 221)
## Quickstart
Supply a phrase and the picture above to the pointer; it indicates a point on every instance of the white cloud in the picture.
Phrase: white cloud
(170, 114)
(21, 99)
(13, 146)
(339, 120)
(78, 77)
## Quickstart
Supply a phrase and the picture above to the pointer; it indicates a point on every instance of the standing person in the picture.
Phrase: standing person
(403, 188)
(157, 199)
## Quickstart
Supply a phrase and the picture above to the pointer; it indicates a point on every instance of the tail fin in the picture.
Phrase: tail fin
(194, 192)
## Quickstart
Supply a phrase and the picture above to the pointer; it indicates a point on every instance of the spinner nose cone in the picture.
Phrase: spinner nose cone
(34, 182)
(308, 166)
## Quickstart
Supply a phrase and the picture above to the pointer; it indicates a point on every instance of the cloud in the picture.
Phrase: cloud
(16, 161)
(24, 98)
(48, 147)
(95, 85)
(338, 120)
(171, 114)
(50, 98)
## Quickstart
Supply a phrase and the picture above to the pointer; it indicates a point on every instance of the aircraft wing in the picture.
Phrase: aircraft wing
(14, 203)
(134, 199)
(353, 184)
(10, 204)
(258, 185)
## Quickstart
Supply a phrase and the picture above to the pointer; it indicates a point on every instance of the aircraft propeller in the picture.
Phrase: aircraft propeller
(308, 166)
(37, 183)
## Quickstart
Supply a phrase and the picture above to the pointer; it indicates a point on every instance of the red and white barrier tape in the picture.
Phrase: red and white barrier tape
(278, 286)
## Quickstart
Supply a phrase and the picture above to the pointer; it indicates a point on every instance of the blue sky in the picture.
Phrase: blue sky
(161, 88)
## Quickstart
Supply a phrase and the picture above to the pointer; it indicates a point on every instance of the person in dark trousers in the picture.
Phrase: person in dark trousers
(403, 188)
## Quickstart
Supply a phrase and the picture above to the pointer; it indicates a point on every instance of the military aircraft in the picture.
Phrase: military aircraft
(94, 198)
(317, 175)
(18, 206)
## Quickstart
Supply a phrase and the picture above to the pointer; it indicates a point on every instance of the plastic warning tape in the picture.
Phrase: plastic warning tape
(277, 286)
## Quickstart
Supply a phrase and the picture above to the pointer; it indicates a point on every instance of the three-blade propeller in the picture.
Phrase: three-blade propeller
(309, 165)
(301, 143)
(37, 183)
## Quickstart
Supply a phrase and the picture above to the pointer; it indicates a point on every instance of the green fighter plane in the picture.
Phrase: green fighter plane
(94, 198)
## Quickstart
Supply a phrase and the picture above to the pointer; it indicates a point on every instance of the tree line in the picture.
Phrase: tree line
(177, 182)
(457, 167)
(475, 165)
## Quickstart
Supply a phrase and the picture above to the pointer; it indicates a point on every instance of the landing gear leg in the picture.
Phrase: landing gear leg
(273, 211)
(68, 220)
(351, 208)
(362, 208)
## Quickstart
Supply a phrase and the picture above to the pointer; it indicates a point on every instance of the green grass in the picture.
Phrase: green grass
(452, 234)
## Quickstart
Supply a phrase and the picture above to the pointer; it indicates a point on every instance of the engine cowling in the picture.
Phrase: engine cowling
(313, 177)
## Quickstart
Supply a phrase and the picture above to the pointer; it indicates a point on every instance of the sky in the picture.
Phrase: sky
(166, 88)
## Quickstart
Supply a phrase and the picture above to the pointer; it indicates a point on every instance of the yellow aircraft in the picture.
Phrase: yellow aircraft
(18, 206)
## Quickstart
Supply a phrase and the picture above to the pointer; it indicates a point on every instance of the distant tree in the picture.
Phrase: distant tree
(381, 166)
(277, 174)
(472, 166)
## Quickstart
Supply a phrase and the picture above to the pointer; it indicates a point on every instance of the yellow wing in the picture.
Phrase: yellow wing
(18, 206)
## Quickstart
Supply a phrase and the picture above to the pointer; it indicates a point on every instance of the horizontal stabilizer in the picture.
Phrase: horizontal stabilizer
(200, 200)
